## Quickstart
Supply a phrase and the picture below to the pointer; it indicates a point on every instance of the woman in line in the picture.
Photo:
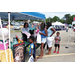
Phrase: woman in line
(25, 28)
(50, 37)
(44, 34)
(25, 32)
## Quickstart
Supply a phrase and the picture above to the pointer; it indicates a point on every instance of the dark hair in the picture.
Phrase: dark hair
(32, 38)
(49, 24)
(58, 33)
(42, 26)
(25, 24)
(31, 32)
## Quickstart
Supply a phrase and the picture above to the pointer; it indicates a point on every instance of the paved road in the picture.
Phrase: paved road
(65, 55)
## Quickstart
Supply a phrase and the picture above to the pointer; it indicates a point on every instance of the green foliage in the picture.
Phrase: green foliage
(68, 20)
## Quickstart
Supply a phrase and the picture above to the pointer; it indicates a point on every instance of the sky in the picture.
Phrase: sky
(59, 14)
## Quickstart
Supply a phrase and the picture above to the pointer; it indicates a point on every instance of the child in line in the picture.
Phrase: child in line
(31, 48)
(57, 42)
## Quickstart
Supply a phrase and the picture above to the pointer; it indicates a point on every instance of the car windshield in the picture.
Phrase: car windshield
(4, 22)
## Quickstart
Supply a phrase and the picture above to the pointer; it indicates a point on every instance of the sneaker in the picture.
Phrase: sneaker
(54, 52)
(57, 52)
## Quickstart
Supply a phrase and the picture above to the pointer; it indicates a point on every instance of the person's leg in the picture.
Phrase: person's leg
(49, 42)
(42, 45)
(55, 48)
(47, 46)
(58, 48)
(49, 50)
(34, 54)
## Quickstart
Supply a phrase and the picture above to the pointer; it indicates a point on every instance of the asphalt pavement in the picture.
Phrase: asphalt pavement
(65, 55)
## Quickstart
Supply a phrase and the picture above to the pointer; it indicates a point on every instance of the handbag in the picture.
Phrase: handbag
(31, 59)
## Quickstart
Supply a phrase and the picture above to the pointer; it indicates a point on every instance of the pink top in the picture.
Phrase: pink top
(37, 31)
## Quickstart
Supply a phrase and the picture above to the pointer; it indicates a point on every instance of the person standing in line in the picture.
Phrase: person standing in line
(32, 27)
(50, 36)
(25, 28)
(44, 34)
(67, 29)
(57, 42)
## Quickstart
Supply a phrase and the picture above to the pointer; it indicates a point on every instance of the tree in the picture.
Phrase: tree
(55, 18)
(70, 19)
(62, 21)
(67, 16)
(47, 20)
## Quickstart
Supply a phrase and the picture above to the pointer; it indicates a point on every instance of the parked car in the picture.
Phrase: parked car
(5, 23)
(18, 27)
(12, 23)
(22, 23)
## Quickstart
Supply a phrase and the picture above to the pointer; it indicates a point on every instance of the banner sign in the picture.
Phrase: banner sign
(19, 52)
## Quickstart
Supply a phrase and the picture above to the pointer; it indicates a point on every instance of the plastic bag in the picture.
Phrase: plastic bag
(38, 38)
(31, 59)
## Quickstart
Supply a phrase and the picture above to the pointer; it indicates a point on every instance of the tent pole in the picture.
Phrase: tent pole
(3, 40)
(13, 24)
(9, 35)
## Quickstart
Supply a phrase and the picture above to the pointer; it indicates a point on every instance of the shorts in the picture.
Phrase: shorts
(57, 45)
(43, 40)
(49, 41)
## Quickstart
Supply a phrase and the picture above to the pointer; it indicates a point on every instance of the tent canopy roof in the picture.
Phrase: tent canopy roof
(22, 15)
(58, 23)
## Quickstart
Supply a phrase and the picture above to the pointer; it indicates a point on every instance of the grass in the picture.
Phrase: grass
(15, 31)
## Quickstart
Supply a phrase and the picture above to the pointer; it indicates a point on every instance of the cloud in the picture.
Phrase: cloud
(59, 14)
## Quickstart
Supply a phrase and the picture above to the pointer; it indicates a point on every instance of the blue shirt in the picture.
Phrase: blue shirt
(42, 36)
(49, 31)
(32, 28)
(30, 47)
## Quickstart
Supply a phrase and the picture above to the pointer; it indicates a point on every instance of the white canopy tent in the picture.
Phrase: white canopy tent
(35, 22)
(58, 23)
(73, 22)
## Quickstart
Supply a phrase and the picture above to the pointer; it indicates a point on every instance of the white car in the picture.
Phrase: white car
(18, 27)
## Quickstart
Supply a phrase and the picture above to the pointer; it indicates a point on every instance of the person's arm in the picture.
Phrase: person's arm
(53, 31)
(37, 31)
(35, 44)
(45, 32)
(31, 51)
(59, 39)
